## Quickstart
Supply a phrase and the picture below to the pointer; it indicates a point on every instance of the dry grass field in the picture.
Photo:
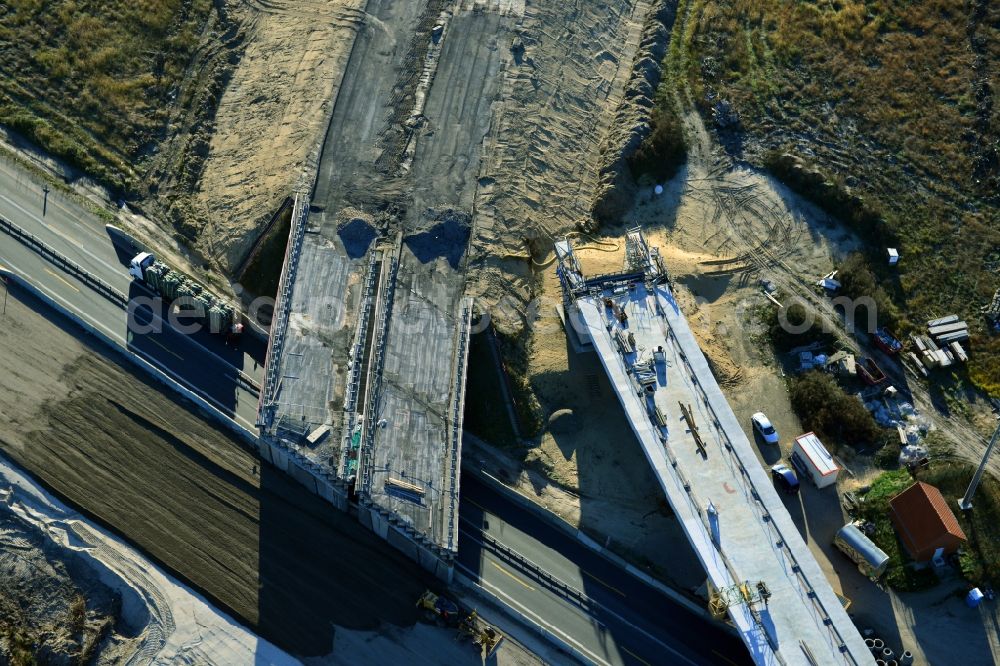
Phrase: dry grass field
(883, 113)
(92, 81)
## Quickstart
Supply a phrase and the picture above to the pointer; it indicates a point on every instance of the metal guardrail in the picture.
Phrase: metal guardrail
(95, 283)
(375, 373)
(537, 573)
(74, 269)
(456, 417)
(360, 334)
(248, 382)
(758, 504)
(357, 354)
(279, 322)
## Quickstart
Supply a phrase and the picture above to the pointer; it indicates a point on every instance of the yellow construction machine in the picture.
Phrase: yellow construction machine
(447, 613)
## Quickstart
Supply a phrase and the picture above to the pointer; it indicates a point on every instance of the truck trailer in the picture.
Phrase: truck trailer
(851, 541)
(177, 288)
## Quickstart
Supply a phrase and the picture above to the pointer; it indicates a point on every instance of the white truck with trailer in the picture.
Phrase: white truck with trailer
(179, 289)
(811, 458)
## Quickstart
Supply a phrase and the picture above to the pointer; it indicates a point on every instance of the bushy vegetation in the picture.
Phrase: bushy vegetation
(882, 112)
(89, 80)
(857, 280)
(663, 151)
(835, 416)
(262, 272)
(980, 559)
(514, 353)
(793, 326)
(486, 413)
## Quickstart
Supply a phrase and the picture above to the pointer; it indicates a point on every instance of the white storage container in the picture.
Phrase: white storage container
(812, 459)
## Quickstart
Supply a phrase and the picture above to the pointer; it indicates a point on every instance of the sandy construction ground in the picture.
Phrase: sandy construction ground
(272, 117)
(541, 162)
(721, 231)
(162, 619)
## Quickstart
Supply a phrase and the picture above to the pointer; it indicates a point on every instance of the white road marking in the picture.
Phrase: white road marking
(75, 243)
(534, 618)
(124, 344)
(607, 610)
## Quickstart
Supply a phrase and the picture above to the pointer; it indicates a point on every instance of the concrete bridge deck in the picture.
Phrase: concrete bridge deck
(366, 371)
(725, 501)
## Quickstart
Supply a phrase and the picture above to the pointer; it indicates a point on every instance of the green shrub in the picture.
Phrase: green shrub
(867, 109)
(829, 193)
(857, 280)
(664, 150)
(832, 414)
(900, 574)
(795, 315)
(515, 358)
(88, 80)
(979, 559)
(486, 412)
(887, 457)
(887, 486)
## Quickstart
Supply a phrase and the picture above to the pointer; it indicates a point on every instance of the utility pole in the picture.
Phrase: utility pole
(45, 200)
(966, 502)
(6, 288)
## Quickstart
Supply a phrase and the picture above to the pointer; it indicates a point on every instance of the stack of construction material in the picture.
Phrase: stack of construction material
(645, 373)
(185, 296)
(843, 364)
(177, 288)
(942, 346)
(154, 276)
(219, 317)
(948, 329)
(171, 282)
(626, 341)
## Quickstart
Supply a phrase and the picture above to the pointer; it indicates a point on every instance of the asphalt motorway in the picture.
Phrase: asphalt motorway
(201, 361)
(622, 621)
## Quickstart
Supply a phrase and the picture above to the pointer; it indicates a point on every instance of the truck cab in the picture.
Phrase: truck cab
(139, 264)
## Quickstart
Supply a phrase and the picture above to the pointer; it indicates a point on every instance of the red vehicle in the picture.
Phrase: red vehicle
(887, 342)
(869, 372)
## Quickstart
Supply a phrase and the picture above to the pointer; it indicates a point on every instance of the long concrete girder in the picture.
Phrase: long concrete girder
(740, 530)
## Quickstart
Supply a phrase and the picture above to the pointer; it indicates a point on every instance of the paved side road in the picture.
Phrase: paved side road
(622, 621)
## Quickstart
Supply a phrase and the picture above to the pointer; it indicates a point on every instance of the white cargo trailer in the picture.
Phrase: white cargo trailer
(812, 459)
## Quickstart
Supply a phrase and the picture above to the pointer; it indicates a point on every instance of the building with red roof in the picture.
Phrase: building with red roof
(925, 523)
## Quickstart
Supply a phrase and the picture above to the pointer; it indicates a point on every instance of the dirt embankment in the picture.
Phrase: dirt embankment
(112, 443)
(617, 187)
(270, 120)
(53, 606)
(540, 168)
